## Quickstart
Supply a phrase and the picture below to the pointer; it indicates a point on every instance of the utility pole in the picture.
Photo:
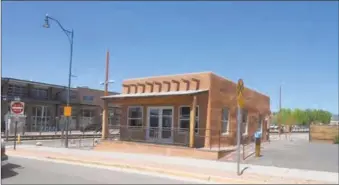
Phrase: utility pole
(105, 111)
(107, 71)
(280, 105)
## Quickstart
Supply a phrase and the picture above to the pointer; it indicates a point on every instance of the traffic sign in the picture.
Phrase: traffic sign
(17, 108)
(240, 89)
(67, 111)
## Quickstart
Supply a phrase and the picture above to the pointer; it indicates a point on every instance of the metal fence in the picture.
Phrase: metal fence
(178, 137)
(86, 142)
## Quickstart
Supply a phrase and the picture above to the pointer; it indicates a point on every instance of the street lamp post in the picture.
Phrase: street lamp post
(70, 35)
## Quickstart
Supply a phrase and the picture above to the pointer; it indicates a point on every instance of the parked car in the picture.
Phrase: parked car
(4, 157)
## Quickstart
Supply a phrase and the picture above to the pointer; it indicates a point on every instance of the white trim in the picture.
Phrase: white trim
(228, 120)
(197, 118)
(169, 140)
(169, 93)
(261, 123)
(142, 114)
(246, 129)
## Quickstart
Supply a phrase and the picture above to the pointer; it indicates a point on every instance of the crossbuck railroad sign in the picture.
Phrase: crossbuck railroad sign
(240, 89)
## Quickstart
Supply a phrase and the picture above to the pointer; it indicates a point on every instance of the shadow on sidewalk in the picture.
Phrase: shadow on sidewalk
(7, 170)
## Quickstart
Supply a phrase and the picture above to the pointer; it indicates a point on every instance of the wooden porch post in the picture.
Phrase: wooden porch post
(192, 120)
(104, 132)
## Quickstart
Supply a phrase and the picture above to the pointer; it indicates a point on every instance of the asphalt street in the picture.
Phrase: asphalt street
(31, 171)
(299, 153)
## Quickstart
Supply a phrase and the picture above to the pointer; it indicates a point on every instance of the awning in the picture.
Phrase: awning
(170, 93)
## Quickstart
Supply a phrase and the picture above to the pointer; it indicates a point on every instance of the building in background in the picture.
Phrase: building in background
(334, 120)
(44, 104)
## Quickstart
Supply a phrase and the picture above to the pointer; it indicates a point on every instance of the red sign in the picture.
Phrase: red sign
(17, 107)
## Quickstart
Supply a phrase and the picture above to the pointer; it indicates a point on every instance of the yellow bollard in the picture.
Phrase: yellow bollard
(257, 147)
(19, 139)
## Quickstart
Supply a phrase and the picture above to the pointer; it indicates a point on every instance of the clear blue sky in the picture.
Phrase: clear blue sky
(265, 43)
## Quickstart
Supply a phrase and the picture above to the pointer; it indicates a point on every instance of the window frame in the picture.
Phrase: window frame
(142, 116)
(242, 121)
(16, 90)
(39, 93)
(260, 122)
(84, 111)
(223, 121)
(197, 119)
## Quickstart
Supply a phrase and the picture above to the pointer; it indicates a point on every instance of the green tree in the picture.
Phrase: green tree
(300, 116)
(286, 117)
(303, 117)
(322, 116)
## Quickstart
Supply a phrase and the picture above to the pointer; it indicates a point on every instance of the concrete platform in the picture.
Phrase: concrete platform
(164, 150)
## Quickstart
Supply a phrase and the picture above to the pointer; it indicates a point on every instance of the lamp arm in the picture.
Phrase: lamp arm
(67, 32)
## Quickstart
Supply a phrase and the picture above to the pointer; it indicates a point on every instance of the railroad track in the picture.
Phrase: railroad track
(50, 137)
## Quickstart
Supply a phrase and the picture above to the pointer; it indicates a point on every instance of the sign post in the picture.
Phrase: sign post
(17, 112)
(240, 102)
(67, 114)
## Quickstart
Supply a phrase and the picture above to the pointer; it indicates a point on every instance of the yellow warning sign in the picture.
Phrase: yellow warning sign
(67, 111)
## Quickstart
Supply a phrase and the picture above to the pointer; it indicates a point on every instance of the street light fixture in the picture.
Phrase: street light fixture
(108, 82)
(70, 35)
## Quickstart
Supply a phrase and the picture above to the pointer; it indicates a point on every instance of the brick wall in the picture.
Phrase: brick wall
(223, 94)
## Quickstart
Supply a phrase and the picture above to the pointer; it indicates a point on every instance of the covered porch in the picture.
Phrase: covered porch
(172, 118)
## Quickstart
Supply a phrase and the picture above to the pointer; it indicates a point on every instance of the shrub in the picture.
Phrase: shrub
(336, 139)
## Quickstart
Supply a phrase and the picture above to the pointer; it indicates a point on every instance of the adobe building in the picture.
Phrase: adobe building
(198, 110)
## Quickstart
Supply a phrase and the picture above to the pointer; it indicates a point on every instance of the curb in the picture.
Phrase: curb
(207, 178)
(177, 173)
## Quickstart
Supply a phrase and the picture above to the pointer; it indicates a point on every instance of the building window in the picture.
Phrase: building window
(63, 95)
(39, 93)
(260, 122)
(184, 118)
(244, 125)
(87, 113)
(73, 95)
(41, 119)
(135, 116)
(225, 121)
(16, 90)
(88, 98)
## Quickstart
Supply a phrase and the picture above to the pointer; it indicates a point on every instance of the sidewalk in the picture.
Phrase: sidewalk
(213, 171)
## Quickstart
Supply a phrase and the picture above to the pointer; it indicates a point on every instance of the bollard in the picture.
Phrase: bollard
(15, 134)
(257, 137)
(19, 139)
(257, 147)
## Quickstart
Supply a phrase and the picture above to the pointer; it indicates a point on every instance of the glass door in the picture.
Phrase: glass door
(153, 124)
(160, 124)
(166, 125)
